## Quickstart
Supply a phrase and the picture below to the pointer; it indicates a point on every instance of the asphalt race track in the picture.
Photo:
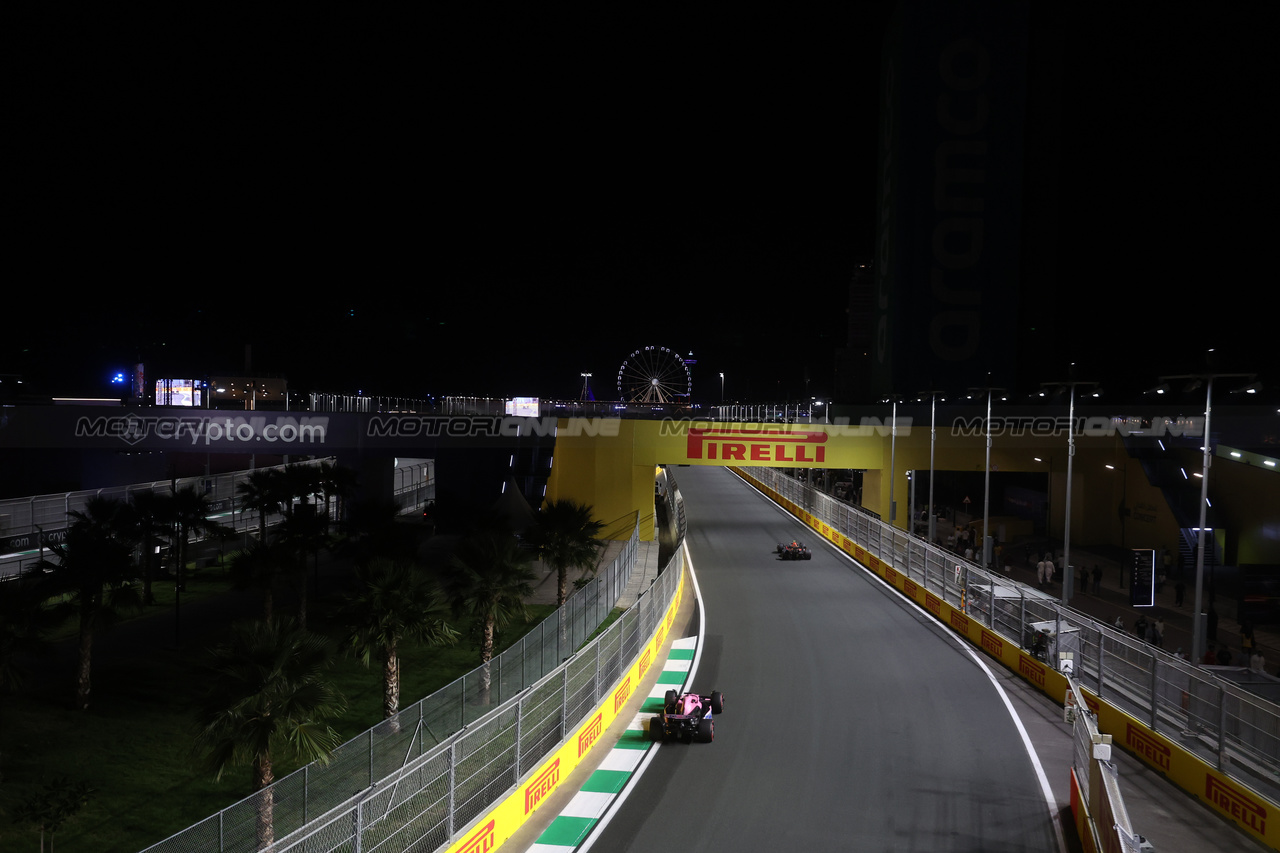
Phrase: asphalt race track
(851, 721)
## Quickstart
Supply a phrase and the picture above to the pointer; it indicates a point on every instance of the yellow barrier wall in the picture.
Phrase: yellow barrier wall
(492, 829)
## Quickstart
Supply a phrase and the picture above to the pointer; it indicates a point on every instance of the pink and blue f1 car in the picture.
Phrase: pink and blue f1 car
(688, 716)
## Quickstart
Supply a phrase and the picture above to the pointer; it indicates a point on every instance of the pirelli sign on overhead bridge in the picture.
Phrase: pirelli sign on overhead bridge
(775, 445)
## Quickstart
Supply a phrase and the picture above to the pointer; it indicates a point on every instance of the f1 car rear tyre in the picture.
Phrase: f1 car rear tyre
(656, 729)
(717, 702)
(706, 731)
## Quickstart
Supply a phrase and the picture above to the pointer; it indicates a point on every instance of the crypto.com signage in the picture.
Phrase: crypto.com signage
(149, 429)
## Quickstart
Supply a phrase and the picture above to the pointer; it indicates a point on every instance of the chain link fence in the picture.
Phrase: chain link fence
(1227, 727)
(415, 780)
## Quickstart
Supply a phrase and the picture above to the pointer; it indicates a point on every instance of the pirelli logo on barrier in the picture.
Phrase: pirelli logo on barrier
(541, 785)
(1148, 747)
(891, 575)
(1242, 809)
(933, 604)
(622, 694)
(910, 588)
(481, 841)
(1031, 670)
(731, 444)
(589, 735)
(992, 644)
(960, 622)
(645, 660)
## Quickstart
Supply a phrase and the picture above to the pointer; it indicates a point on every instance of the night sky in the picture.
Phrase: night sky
(494, 201)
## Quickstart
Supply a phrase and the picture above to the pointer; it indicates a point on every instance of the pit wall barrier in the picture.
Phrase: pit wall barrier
(955, 605)
(495, 827)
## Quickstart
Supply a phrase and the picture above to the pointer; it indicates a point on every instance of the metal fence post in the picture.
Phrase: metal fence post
(1102, 637)
(1222, 729)
(564, 703)
(1155, 690)
(450, 822)
(519, 732)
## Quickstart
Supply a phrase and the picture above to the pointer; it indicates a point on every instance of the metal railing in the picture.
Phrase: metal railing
(30, 522)
(1224, 725)
(416, 779)
(1097, 778)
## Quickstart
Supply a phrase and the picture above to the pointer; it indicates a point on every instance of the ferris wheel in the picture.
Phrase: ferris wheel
(654, 375)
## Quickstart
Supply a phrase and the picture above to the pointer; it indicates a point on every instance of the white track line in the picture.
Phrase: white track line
(1052, 803)
(651, 752)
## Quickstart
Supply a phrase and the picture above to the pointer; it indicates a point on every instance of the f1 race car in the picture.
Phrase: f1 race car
(793, 550)
(687, 716)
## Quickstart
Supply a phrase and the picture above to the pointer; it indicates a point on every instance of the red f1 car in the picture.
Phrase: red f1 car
(793, 550)
(687, 716)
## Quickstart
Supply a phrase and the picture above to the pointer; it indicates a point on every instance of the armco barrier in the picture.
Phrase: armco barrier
(1212, 739)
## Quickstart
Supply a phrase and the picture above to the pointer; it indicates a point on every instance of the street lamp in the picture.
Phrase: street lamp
(893, 449)
(1067, 584)
(933, 437)
(1197, 636)
(986, 485)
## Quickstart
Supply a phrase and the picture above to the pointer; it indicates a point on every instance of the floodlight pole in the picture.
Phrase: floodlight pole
(1198, 640)
(893, 447)
(1071, 454)
(933, 436)
(1197, 635)
(1066, 530)
(986, 493)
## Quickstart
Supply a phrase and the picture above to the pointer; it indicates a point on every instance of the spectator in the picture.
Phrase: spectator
(1224, 656)
(1257, 663)
(1097, 579)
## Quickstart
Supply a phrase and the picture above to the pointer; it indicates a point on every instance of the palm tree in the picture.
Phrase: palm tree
(297, 482)
(337, 481)
(94, 570)
(565, 535)
(24, 619)
(150, 517)
(489, 579)
(266, 690)
(260, 493)
(303, 533)
(259, 567)
(190, 515)
(393, 605)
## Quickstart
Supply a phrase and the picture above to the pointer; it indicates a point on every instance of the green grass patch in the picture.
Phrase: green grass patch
(134, 745)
